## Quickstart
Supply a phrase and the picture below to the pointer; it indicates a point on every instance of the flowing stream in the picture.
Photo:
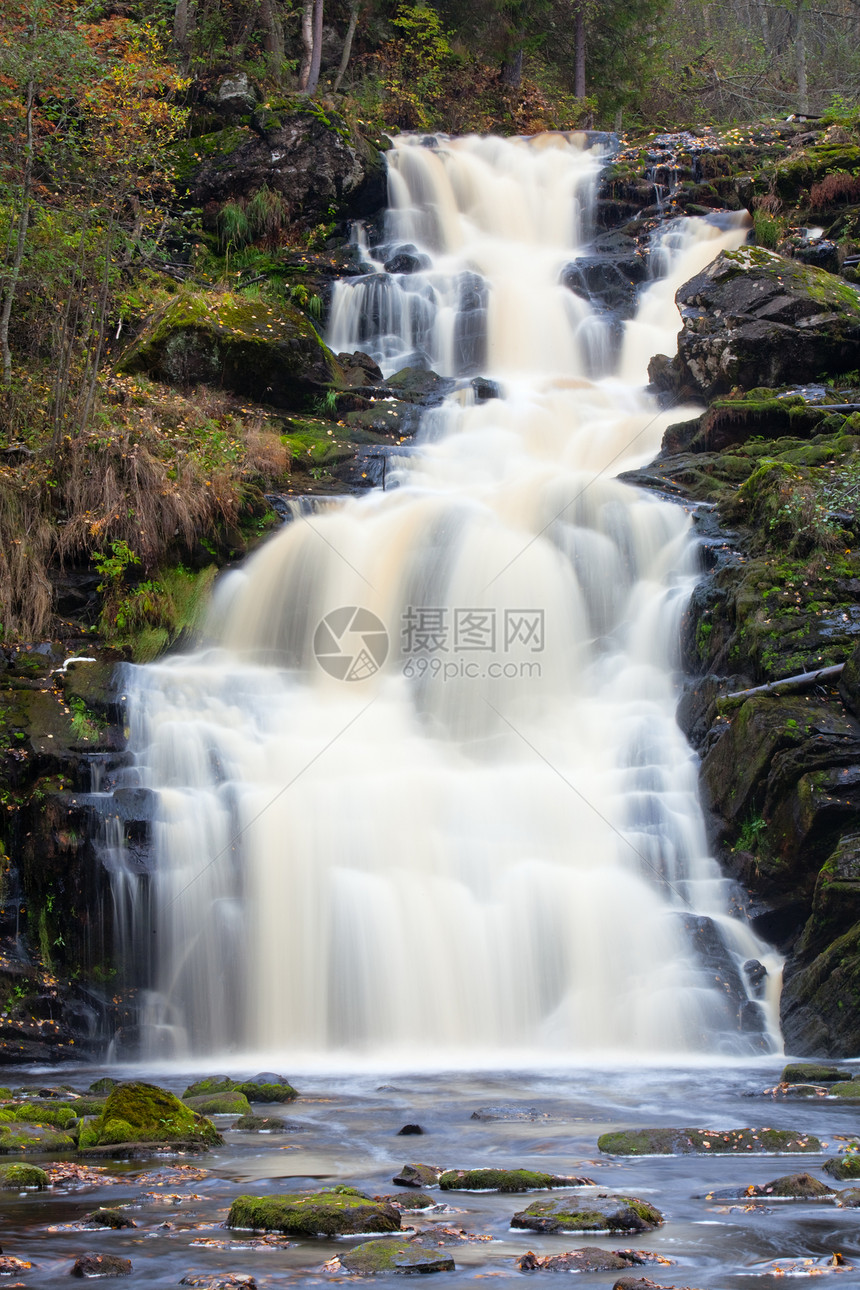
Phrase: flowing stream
(423, 793)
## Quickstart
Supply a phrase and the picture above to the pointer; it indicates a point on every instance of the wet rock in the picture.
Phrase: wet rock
(843, 1168)
(506, 1180)
(596, 1213)
(407, 259)
(113, 1218)
(644, 1283)
(409, 1130)
(143, 1113)
(789, 1187)
(584, 1260)
(850, 1198)
(219, 1281)
(101, 1087)
(268, 1087)
(11, 1267)
(682, 1142)
(397, 1256)
(410, 1200)
(850, 1090)
(22, 1178)
(101, 1265)
(812, 1073)
(418, 1176)
(261, 350)
(229, 1103)
(752, 318)
(512, 1113)
(342, 1211)
(266, 1124)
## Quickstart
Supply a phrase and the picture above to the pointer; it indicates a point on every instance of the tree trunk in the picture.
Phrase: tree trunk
(579, 65)
(347, 44)
(183, 25)
(512, 69)
(316, 51)
(307, 43)
(273, 36)
(800, 45)
(21, 238)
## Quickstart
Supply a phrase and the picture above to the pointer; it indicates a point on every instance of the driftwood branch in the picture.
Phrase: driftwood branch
(803, 681)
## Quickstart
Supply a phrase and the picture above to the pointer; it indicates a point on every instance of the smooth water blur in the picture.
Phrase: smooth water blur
(491, 844)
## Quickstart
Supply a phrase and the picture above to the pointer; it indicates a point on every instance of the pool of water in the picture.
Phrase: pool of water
(551, 1121)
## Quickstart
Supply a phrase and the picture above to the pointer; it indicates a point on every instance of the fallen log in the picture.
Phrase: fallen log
(802, 681)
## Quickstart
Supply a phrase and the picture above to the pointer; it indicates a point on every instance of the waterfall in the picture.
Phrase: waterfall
(423, 794)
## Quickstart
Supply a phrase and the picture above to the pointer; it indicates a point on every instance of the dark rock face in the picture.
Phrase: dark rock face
(753, 318)
(310, 159)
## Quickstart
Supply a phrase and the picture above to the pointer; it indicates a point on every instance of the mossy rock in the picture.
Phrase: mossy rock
(843, 1168)
(684, 1142)
(101, 1087)
(57, 1114)
(584, 1260)
(850, 1089)
(397, 1256)
(230, 1103)
(138, 1112)
(342, 1211)
(22, 1178)
(267, 350)
(596, 1213)
(265, 1124)
(20, 1137)
(850, 1198)
(265, 1088)
(504, 1180)
(812, 1073)
(113, 1218)
(412, 1200)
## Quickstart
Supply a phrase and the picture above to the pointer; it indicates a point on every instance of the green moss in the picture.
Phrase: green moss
(138, 1112)
(394, 1256)
(811, 1072)
(57, 1115)
(596, 1214)
(21, 1137)
(22, 1177)
(849, 1089)
(339, 1212)
(253, 1090)
(676, 1142)
(843, 1167)
(230, 1103)
(504, 1180)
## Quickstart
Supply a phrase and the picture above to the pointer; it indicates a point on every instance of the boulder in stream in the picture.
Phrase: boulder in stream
(812, 1073)
(229, 1103)
(843, 1168)
(341, 1211)
(397, 1256)
(684, 1142)
(138, 1113)
(21, 1177)
(508, 1180)
(416, 1175)
(101, 1265)
(789, 1187)
(586, 1259)
(596, 1213)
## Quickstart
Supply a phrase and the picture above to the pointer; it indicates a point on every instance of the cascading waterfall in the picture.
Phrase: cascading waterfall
(424, 794)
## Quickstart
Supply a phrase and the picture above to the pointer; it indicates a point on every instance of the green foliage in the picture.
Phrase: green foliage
(157, 611)
(750, 834)
(769, 229)
(415, 65)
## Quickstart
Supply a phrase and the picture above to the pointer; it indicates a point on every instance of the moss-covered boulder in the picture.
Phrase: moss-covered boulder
(505, 1180)
(258, 349)
(264, 1124)
(812, 1073)
(113, 1218)
(394, 1256)
(18, 1136)
(22, 1178)
(595, 1213)
(684, 1142)
(58, 1115)
(101, 1265)
(144, 1113)
(342, 1211)
(265, 1087)
(101, 1087)
(844, 1168)
(789, 1187)
(753, 318)
(231, 1103)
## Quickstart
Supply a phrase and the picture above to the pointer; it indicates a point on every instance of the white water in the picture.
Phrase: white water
(485, 850)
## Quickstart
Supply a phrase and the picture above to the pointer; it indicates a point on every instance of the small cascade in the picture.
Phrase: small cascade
(423, 795)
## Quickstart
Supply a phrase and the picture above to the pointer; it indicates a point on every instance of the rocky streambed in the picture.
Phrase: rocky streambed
(509, 1175)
